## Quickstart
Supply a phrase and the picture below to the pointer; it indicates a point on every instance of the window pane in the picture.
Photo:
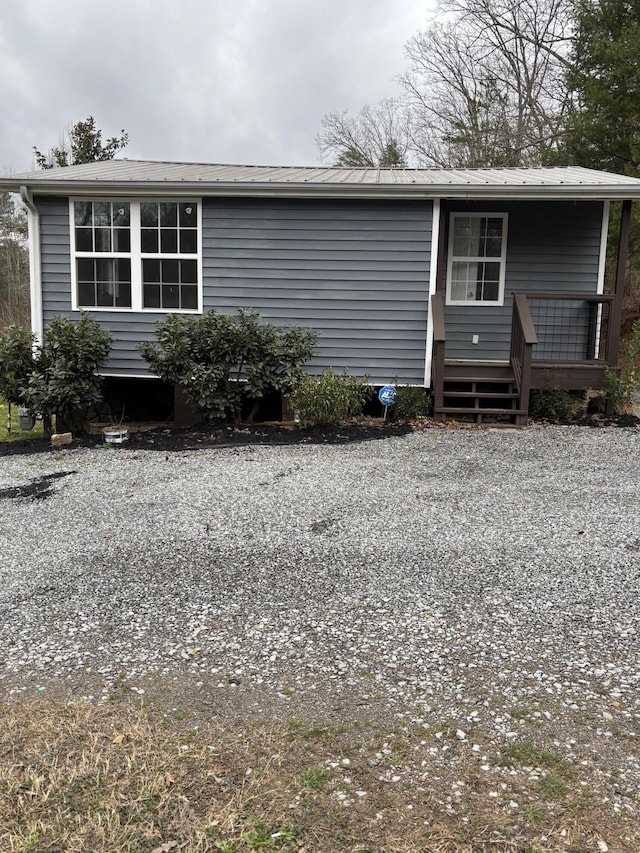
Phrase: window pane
(103, 239)
(149, 241)
(492, 271)
(464, 277)
(170, 272)
(105, 294)
(149, 214)
(151, 296)
(123, 296)
(168, 214)
(101, 213)
(123, 270)
(189, 296)
(84, 240)
(150, 271)
(189, 242)
(188, 272)
(494, 227)
(491, 290)
(82, 212)
(85, 269)
(188, 215)
(493, 247)
(86, 294)
(466, 236)
(461, 234)
(104, 270)
(168, 240)
(170, 296)
(121, 215)
(121, 240)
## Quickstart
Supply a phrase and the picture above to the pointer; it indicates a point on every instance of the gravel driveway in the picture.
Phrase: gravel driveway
(489, 577)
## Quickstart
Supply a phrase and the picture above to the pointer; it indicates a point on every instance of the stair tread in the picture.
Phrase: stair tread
(488, 380)
(497, 395)
(475, 410)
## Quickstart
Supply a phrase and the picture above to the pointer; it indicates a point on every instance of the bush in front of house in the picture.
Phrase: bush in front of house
(329, 399)
(221, 360)
(59, 378)
(412, 402)
(553, 403)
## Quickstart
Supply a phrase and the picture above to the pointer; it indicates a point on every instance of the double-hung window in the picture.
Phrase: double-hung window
(477, 258)
(102, 239)
(136, 255)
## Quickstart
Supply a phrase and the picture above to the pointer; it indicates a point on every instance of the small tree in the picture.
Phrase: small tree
(58, 378)
(222, 360)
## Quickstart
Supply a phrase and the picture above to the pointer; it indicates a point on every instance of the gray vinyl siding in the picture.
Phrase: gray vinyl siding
(356, 272)
(551, 246)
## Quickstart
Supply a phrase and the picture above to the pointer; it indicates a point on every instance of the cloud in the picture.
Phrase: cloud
(203, 80)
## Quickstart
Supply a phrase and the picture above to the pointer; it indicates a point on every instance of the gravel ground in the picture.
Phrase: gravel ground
(486, 579)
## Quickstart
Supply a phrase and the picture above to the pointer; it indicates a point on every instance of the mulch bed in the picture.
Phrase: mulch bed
(202, 436)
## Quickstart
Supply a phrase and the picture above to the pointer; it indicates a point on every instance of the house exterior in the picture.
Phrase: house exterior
(480, 284)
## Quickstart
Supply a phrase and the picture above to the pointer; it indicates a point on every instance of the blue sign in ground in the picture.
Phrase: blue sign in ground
(387, 395)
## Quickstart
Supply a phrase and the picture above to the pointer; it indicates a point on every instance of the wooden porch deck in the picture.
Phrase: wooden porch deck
(549, 332)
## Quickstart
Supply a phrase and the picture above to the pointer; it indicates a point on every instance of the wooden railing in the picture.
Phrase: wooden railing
(523, 339)
(437, 358)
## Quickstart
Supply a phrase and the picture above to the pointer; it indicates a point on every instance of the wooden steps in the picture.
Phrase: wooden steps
(482, 393)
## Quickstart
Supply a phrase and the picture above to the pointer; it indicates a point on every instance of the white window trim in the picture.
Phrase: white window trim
(135, 255)
(451, 258)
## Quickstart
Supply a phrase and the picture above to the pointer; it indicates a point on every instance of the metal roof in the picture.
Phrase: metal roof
(142, 176)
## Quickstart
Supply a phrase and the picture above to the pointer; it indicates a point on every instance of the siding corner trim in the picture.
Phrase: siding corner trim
(433, 278)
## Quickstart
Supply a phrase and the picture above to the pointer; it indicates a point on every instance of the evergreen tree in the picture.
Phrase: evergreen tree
(604, 123)
(81, 144)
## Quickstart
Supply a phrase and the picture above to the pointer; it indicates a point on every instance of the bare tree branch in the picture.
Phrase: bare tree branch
(377, 136)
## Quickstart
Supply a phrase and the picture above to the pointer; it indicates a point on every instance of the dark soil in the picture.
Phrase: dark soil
(176, 439)
(203, 436)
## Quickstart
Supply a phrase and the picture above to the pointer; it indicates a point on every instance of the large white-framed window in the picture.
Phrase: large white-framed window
(477, 258)
(141, 255)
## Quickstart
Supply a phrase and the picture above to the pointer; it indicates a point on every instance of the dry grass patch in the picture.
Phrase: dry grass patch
(127, 778)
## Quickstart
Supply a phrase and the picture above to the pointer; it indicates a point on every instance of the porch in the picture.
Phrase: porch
(557, 339)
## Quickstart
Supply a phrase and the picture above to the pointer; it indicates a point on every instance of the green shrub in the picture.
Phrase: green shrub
(412, 402)
(330, 399)
(622, 386)
(553, 403)
(222, 360)
(59, 378)
(16, 364)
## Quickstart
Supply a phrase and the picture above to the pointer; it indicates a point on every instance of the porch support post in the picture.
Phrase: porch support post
(615, 316)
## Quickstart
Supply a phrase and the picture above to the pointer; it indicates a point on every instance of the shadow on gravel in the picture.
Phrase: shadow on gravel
(206, 437)
(37, 489)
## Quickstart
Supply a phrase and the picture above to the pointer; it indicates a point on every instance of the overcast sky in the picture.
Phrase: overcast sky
(219, 81)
